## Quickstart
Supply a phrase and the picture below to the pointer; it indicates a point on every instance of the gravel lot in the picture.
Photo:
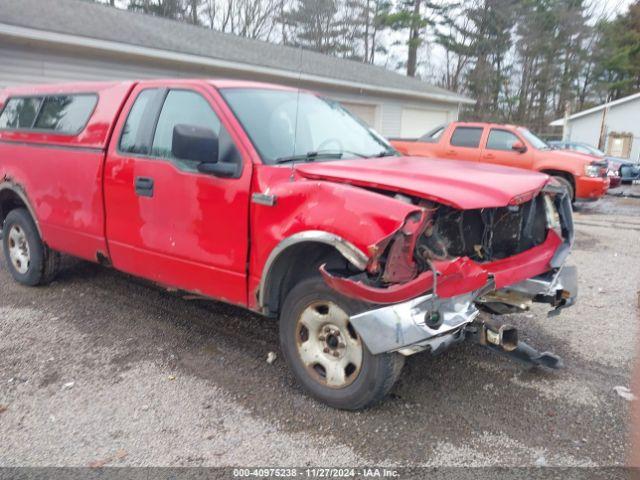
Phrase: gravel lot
(103, 369)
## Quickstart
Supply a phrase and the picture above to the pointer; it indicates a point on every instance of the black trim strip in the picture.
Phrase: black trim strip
(54, 146)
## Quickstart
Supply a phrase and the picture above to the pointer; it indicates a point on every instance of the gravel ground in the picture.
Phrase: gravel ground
(103, 369)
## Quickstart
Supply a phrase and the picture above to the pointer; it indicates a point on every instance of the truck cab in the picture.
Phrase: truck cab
(281, 202)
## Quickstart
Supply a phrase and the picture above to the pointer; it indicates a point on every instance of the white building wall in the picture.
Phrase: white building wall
(27, 64)
(624, 118)
(620, 118)
(585, 129)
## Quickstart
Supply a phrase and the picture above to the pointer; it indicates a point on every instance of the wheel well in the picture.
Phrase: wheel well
(566, 175)
(9, 200)
(296, 263)
(559, 173)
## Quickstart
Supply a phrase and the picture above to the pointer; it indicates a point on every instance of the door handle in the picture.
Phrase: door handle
(489, 156)
(144, 186)
(450, 152)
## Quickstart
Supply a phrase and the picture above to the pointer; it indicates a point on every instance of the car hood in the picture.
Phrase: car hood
(460, 184)
(619, 161)
(570, 157)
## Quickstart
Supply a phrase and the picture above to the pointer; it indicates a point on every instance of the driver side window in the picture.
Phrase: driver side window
(501, 140)
(181, 107)
(186, 107)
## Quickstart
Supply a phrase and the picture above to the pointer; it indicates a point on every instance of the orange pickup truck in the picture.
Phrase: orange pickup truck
(585, 178)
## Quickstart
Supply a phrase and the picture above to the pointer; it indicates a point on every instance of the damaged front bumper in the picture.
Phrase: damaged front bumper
(462, 275)
(425, 322)
(434, 324)
(437, 320)
(459, 288)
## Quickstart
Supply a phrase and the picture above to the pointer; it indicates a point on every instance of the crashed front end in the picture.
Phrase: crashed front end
(433, 277)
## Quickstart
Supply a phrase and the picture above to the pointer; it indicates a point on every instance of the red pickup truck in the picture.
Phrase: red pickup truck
(281, 202)
(584, 177)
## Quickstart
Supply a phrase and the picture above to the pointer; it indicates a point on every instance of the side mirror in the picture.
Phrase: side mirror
(198, 144)
(519, 147)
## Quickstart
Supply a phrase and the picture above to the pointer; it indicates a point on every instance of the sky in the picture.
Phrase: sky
(615, 6)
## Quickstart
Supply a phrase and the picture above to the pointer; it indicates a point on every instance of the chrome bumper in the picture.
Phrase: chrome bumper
(425, 322)
(434, 323)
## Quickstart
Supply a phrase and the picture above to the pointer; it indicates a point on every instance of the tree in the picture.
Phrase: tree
(618, 53)
(246, 18)
(455, 36)
(193, 13)
(412, 16)
(318, 25)
(477, 38)
(174, 9)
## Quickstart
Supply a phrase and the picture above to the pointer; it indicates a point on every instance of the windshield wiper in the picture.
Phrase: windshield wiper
(385, 153)
(320, 154)
(309, 157)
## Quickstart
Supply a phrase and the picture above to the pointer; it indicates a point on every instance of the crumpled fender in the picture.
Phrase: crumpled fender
(357, 215)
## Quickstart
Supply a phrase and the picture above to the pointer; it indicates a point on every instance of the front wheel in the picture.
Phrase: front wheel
(566, 184)
(325, 352)
(28, 259)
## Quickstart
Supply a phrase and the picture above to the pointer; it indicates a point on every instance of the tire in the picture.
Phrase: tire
(367, 380)
(567, 185)
(28, 259)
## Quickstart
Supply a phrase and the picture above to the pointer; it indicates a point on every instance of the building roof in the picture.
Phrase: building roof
(584, 113)
(92, 25)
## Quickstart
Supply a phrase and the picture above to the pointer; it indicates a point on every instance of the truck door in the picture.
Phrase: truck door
(464, 143)
(166, 221)
(499, 149)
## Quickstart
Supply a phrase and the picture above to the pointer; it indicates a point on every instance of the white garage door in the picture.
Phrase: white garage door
(366, 113)
(416, 121)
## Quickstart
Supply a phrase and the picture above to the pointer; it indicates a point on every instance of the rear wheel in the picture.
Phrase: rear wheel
(325, 352)
(28, 259)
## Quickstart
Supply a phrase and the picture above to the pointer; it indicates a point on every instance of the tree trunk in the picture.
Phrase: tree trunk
(367, 20)
(414, 40)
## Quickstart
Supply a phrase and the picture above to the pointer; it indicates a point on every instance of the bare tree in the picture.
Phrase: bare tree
(246, 18)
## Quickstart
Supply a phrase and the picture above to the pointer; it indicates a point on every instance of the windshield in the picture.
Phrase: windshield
(291, 125)
(533, 140)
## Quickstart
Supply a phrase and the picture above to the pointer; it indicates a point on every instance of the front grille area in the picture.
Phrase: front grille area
(485, 234)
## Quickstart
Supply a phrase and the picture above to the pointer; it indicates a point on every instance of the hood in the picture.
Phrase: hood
(570, 157)
(619, 161)
(460, 184)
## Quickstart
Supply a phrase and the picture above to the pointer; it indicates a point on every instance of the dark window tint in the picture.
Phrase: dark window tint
(501, 140)
(20, 113)
(136, 136)
(466, 137)
(182, 107)
(66, 113)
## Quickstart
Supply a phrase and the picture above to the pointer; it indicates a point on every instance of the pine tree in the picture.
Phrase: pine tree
(413, 16)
